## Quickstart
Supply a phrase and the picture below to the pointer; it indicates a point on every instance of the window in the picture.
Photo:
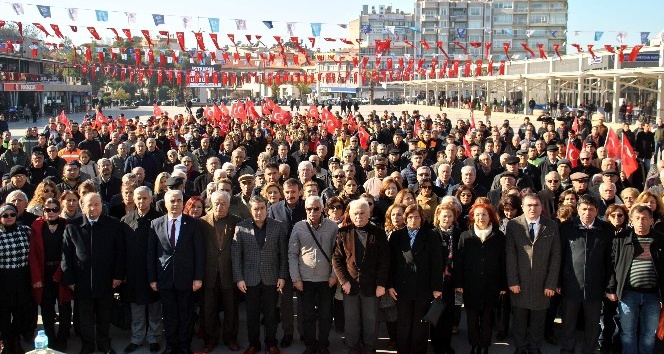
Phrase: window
(474, 24)
(558, 19)
(443, 11)
(539, 18)
(502, 5)
(521, 7)
(557, 6)
(538, 6)
(444, 24)
(475, 11)
(502, 19)
(429, 12)
(475, 38)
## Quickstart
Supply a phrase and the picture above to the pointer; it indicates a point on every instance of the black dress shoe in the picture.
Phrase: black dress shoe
(475, 350)
(108, 351)
(131, 348)
(154, 347)
(286, 341)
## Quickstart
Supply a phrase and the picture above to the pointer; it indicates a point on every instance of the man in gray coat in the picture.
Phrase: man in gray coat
(260, 266)
(532, 246)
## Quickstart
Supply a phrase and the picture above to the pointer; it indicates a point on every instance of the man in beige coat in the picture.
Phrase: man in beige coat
(532, 246)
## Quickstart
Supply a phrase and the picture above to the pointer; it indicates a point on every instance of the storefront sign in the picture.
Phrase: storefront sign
(24, 87)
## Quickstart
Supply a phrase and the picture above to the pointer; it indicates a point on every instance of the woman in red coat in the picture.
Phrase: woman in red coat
(44, 260)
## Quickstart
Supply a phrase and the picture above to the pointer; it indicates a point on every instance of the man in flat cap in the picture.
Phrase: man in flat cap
(580, 183)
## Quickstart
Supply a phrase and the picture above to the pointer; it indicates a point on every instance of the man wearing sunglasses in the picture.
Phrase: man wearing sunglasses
(309, 250)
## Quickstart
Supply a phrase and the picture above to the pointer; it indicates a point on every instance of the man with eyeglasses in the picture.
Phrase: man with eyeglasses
(338, 181)
(533, 265)
(586, 166)
(310, 250)
(550, 192)
(18, 181)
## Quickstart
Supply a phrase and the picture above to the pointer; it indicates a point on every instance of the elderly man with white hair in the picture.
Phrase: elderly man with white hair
(20, 201)
(310, 247)
(306, 173)
(468, 176)
(143, 300)
(218, 231)
(360, 264)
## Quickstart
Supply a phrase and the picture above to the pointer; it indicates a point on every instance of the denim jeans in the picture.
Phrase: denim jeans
(638, 310)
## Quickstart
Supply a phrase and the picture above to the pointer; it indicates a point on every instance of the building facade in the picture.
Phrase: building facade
(497, 22)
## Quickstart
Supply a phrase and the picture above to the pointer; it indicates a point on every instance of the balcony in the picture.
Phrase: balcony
(12, 76)
(429, 17)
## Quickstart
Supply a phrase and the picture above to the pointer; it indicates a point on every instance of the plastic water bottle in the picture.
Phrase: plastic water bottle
(41, 342)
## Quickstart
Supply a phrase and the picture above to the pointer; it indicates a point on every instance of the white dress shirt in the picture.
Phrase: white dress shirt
(536, 226)
(178, 224)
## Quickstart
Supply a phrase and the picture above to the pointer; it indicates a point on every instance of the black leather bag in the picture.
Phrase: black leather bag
(436, 309)
(120, 313)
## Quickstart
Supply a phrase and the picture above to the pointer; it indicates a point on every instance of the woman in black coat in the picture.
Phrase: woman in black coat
(416, 276)
(448, 232)
(480, 273)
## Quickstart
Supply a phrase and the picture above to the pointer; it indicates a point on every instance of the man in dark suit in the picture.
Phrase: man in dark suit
(260, 268)
(176, 275)
(92, 270)
(533, 262)
(218, 230)
(289, 211)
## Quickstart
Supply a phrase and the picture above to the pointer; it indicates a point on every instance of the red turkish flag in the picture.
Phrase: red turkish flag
(62, 118)
(313, 112)
(156, 111)
(94, 33)
(238, 111)
(127, 32)
(146, 34)
(575, 125)
(217, 114)
(572, 154)
(199, 39)
(364, 137)
(251, 110)
(209, 113)
(180, 36)
(613, 145)
(100, 118)
(466, 147)
(224, 110)
(629, 163)
(280, 116)
(331, 122)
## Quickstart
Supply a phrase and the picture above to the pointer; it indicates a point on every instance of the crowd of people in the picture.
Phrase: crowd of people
(185, 219)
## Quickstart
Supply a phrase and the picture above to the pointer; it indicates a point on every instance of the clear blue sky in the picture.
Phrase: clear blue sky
(586, 16)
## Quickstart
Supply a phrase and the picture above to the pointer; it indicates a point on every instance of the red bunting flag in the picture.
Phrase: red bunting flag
(635, 52)
(425, 44)
(527, 49)
(199, 40)
(578, 47)
(542, 53)
(117, 35)
(56, 30)
(180, 37)
(458, 44)
(621, 53)
(556, 49)
(590, 50)
(487, 49)
(127, 32)
(146, 34)
(94, 33)
(609, 48)
(166, 34)
(42, 28)
(506, 49)
(214, 38)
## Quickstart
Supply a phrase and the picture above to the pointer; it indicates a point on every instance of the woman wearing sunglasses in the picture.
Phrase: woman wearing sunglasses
(15, 314)
(45, 254)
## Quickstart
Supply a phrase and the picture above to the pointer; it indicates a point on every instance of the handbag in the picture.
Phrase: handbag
(436, 309)
(318, 243)
(660, 326)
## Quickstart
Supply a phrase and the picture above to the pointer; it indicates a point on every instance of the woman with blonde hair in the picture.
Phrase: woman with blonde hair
(394, 220)
(45, 190)
(160, 187)
(448, 231)
(273, 192)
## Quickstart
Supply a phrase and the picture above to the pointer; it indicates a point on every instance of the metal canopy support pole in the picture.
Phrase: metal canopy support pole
(660, 83)
(617, 88)
(426, 93)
